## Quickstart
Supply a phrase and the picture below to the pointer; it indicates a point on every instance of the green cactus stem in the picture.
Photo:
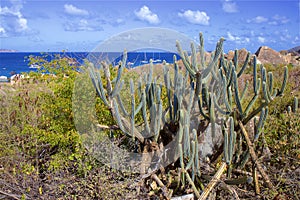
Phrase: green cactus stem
(236, 94)
(244, 91)
(285, 77)
(202, 53)
(184, 60)
(244, 65)
(235, 59)
(295, 105)
(194, 57)
(255, 82)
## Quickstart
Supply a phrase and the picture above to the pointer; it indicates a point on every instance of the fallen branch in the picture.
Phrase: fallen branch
(213, 181)
(254, 157)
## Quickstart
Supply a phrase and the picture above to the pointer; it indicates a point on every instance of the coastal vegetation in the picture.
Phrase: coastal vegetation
(43, 157)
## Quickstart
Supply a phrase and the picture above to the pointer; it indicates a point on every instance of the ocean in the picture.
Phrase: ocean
(18, 62)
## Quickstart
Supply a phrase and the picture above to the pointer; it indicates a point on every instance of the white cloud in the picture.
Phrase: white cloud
(195, 17)
(296, 39)
(229, 6)
(72, 10)
(2, 32)
(258, 20)
(261, 39)
(237, 39)
(145, 14)
(12, 21)
(278, 20)
(230, 37)
(81, 25)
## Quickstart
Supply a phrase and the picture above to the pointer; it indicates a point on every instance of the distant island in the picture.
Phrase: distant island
(7, 50)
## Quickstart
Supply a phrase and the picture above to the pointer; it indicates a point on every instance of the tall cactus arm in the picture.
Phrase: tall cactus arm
(201, 50)
(120, 68)
(194, 57)
(144, 113)
(97, 81)
(200, 105)
(285, 77)
(250, 104)
(223, 85)
(260, 125)
(175, 70)
(107, 77)
(158, 121)
(185, 62)
(236, 93)
(226, 142)
(212, 115)
(244, 65)
(255, 76)
(232, 140)
(229, 75)
(132, 108)
(244, 90)
(120, 102)
(198, 84)
(263, 72)
(223, 112)
(123, 124)
(117, 89)
(168, 87)
(270, 82)
(191, 161)
(265, 92)
(218, 52)
(235, 59)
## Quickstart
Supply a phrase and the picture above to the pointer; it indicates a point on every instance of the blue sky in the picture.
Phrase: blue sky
(58, 25)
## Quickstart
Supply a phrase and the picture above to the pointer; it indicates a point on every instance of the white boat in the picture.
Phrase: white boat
(34, 66)
(145, 59)
(157, 60)
(3, 79)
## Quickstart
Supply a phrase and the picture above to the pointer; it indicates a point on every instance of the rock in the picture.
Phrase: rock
(229, 55)
(208, 145)
(242, 54)
(266, 55)
(184, 197)
(294, 51)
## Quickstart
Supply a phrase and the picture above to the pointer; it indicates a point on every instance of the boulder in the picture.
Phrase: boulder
(295, 51)
(242, 54)
(266, 55)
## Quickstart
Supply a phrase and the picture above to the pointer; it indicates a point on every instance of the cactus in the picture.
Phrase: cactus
(295, 104)
(209, 91)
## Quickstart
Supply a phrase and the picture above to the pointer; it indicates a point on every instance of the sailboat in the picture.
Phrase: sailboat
(145, 59)
(157, 60)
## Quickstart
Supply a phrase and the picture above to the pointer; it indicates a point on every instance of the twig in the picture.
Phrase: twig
(230, 189)
(255, 180)
(166, 193)
(113, 127)
(10, 195)
(213, 181)
(244, 172)
(254, 157)
(192, 184)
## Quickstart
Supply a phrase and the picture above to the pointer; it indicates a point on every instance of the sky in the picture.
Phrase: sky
(62, 25)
